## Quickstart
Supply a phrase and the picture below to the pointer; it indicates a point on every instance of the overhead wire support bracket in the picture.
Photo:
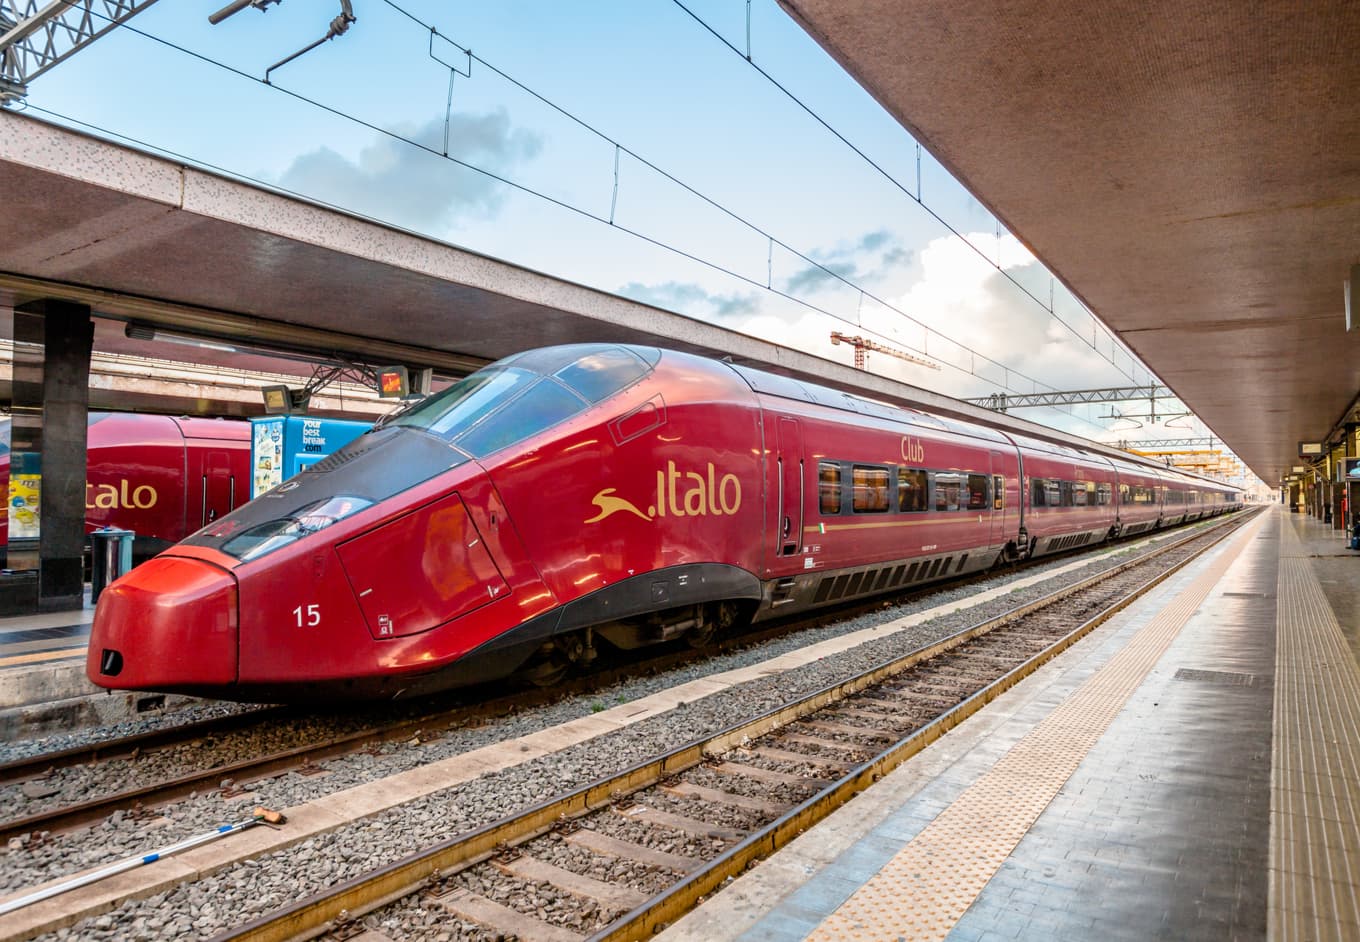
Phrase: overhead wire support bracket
(453, 71)
(339, 26)
(236, 6)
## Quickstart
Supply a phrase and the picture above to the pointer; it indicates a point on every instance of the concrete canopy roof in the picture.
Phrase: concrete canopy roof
(1190, 169)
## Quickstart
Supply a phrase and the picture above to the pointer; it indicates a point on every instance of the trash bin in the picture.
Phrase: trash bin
(110, 557)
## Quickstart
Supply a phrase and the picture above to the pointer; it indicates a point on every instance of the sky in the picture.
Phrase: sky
(629, 146)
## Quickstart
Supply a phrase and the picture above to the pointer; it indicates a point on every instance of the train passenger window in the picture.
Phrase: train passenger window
(1104, 493)
(977, 492)
(544, 405)
(1049, 493)
(1077, 491)
(998, 492)
(870, 493)
(948, 488)
(599, 375)
(1123, 493)
(911, 490)
(829, 487)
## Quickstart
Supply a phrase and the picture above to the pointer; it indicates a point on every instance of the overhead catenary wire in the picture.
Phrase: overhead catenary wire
(773, 240)
(917, 197)
(1006, 371)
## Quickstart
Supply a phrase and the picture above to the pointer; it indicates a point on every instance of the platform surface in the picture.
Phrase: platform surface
(1189, 771)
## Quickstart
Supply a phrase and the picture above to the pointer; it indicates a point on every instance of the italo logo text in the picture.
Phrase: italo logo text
(678, 494)
(121, 495)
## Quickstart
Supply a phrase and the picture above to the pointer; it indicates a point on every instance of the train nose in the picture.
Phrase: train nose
(171, 623)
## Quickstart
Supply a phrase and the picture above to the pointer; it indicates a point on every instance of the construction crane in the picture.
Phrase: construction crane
(863, 344)
(1206, 461)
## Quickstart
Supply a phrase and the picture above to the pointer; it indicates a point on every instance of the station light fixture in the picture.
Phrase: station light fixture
(393, 382)
(135, 331)
(282, 400)
(398, 382)
(1351, 287)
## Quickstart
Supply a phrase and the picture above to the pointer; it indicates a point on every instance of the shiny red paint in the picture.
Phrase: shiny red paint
(186, 629)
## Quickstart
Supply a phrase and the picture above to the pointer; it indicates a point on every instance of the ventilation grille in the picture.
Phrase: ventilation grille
(345, 455)
(846, 585)
(1067, 542)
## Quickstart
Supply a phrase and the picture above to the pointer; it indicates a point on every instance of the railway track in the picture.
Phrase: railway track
(230, 778)
(629, 853)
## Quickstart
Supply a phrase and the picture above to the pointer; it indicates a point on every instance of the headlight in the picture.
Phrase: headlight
(276, 534)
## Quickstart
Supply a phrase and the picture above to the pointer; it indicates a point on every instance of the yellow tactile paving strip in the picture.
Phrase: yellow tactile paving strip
(38, 656)
(1315, 766)
(923, 891)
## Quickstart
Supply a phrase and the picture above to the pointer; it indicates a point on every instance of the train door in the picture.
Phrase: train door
(218, 487)
(790, 500)
(998, 537)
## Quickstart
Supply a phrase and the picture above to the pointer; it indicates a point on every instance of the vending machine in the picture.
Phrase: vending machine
(282, 445)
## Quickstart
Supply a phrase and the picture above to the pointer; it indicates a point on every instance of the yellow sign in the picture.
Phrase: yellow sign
(25, 501)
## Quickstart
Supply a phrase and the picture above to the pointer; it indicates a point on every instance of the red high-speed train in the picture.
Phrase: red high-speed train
(587, 494)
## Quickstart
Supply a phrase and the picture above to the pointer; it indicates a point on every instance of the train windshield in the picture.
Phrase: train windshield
(524, 395)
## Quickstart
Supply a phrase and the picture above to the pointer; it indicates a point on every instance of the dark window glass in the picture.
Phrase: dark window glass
(276, 534)
(977, 492)
(871, 489)
(829, 487)
(451, 412)
(998, 492)
(1048, 493)
(949, 487)
(542, 406)
(911, 490)
(1104, 493)
(603, 373)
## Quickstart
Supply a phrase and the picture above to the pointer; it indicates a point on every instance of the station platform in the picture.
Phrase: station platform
(43, 687)
(1190, 770)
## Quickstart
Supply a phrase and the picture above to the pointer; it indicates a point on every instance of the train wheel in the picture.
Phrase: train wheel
(552, 662)
(718, 618)
(548, 670)
(702, 634)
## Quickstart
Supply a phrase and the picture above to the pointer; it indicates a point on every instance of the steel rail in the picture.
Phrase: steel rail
(33, 766)
(319, 913)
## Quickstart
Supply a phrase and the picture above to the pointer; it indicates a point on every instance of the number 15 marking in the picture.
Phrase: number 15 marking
(312, 614)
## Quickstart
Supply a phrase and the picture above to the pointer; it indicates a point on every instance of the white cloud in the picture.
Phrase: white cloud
(407, 186)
